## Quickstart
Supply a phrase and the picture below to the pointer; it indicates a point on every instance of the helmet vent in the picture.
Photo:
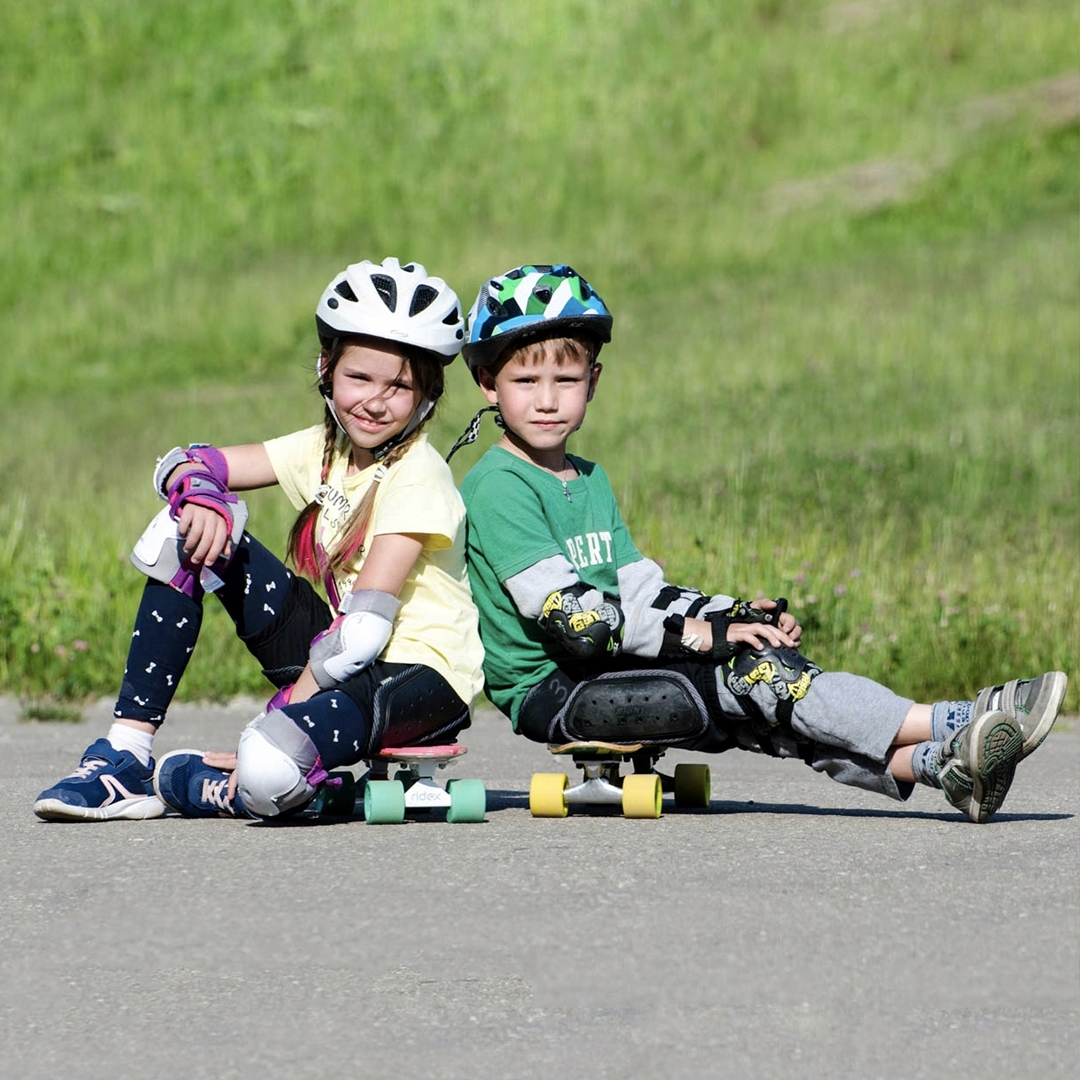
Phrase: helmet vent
(453, 318)
(386, 287)
(543, 294)
(422, 298)
(344, 289)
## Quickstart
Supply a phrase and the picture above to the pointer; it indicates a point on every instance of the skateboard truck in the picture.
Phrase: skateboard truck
(414, 786)
(639, 794)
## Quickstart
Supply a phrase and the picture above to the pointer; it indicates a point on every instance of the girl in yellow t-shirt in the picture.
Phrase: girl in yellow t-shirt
(393, 657)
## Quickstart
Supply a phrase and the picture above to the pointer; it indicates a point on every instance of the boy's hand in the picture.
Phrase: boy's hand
(754, 634)
(719, 635)
(787, 624)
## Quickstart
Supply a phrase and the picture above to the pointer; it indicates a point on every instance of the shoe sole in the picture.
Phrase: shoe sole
(1046, 708)
(141, 809)
(997, 745)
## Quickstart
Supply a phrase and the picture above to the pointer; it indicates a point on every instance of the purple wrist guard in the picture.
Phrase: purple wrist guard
(205, 485)
(208, 457)
(202, 489)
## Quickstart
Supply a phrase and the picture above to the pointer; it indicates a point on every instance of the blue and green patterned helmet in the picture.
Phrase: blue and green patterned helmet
(528, 303)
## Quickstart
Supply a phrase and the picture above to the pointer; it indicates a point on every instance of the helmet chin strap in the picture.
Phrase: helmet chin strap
(379, 452)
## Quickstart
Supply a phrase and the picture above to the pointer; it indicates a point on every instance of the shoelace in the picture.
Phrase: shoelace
(87, 768)
(214, 792)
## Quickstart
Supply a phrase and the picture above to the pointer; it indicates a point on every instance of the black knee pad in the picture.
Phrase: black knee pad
(659, 708)
(786, 672)
(415, 706)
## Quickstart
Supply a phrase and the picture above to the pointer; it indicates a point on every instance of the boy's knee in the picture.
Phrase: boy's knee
(786, 672)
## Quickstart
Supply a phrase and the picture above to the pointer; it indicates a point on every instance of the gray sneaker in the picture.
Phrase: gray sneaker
(1032, 703)
(976, 765)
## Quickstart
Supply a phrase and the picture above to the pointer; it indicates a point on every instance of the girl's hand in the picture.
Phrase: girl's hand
(226, 763)
(205, 533)
(219, 759)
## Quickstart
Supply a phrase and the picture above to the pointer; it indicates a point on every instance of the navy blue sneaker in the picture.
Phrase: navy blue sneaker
(186, 784)
(109, 784)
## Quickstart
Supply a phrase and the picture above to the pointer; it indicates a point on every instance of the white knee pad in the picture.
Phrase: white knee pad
(159, 553)
(273, 761)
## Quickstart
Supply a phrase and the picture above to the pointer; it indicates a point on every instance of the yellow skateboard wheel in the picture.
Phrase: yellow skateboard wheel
(642, 796)
(693, 785)
(546, 794)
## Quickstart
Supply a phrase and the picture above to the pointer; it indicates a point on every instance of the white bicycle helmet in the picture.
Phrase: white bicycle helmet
(396, 303)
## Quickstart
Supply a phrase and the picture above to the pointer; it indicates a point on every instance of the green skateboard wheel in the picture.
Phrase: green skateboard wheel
(468, 801)
(384, 802)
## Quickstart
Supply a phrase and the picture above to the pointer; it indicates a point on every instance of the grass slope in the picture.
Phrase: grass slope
(839, 240)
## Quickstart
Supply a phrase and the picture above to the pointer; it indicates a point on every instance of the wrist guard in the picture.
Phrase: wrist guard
(590, 632)
(739, 612)
(208, 457)
(207, 484)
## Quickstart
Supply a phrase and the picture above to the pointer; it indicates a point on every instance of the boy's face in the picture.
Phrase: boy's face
(542, 396)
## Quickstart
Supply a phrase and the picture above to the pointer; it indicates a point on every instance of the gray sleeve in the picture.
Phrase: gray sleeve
(639, 584)
(647, 600)
(533, 585)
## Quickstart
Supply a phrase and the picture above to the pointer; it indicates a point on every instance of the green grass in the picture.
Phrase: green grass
(839, 239)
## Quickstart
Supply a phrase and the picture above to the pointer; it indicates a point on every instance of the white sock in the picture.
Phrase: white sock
(140, 743)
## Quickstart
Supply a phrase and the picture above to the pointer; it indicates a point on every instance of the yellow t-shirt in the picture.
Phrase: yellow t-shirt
(436, 624)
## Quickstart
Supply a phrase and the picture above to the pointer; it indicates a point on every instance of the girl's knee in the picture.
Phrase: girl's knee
(276, 765)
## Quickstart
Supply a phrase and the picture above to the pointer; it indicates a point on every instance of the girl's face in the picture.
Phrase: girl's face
(374, 395)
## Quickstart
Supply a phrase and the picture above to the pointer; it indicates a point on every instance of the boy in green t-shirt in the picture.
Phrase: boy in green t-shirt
(584, 639)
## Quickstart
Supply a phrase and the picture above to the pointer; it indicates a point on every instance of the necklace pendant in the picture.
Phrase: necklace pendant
(566, 492)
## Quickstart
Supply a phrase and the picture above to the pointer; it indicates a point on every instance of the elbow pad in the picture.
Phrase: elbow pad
(590, 632)
(354, 639)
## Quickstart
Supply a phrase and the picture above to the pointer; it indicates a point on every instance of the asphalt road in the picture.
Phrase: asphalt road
(795, 929)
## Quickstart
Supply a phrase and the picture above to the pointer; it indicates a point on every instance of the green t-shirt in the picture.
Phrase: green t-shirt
(518, 515)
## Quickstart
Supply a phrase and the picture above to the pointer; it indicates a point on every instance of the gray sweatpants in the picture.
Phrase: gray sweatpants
(850, 720)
